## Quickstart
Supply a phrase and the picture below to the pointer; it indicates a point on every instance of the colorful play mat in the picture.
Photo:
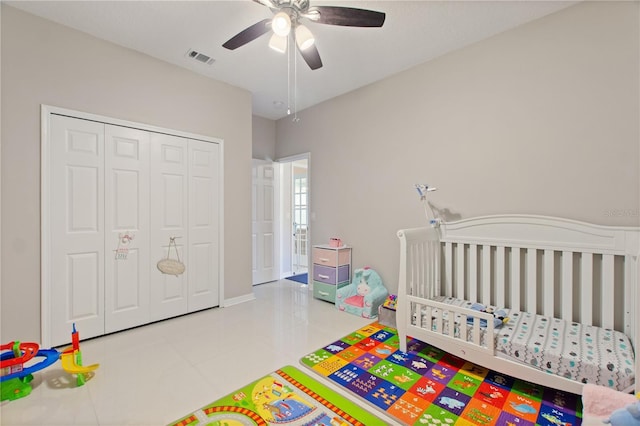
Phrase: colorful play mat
(286, 396)
(427, 386)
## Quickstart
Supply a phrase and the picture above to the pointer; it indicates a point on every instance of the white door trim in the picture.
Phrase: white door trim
(46, 112)
(283, 229)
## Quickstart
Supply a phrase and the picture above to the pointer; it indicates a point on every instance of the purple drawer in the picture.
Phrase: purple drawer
(326, 274)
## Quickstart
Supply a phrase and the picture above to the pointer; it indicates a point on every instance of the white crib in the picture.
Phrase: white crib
(549, 266)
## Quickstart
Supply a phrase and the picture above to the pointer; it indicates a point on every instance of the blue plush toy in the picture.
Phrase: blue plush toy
(499, 316)
(626, 416)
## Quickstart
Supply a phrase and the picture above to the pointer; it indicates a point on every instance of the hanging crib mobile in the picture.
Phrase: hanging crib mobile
(423, 189)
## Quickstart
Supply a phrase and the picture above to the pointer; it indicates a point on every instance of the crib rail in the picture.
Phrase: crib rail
(458, 323)
(554, 267)
(582, 287)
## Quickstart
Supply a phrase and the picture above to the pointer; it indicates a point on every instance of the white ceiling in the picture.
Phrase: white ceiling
(414, 32)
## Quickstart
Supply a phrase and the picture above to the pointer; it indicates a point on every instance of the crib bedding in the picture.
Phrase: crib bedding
(586, 354)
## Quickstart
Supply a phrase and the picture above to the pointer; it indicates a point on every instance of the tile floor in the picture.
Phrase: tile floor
(158, 373)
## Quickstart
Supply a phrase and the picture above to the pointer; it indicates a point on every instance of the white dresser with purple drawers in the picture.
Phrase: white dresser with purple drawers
(331, 270)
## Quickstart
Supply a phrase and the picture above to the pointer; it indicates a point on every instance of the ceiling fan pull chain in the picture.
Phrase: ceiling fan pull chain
(288, 74)
(295, 86)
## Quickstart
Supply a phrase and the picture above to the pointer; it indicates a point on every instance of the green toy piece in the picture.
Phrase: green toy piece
(80, 379)
(16, 388)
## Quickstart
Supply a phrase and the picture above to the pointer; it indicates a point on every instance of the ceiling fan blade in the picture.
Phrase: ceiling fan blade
(248, 34)
(346, 16)
(311, 57)
(267, 3)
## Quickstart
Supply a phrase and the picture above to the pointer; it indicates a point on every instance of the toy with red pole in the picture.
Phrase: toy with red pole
(72, 359)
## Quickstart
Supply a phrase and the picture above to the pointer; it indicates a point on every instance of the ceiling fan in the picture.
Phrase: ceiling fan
(287, 17)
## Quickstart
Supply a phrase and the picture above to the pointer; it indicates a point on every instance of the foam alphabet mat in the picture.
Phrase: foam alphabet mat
(286, 396)
(427, 386)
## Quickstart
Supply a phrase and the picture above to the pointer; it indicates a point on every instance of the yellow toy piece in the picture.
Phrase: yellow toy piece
(69, 364)
(72, 359)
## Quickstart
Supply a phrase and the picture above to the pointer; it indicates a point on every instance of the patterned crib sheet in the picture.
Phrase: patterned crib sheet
(583, 353)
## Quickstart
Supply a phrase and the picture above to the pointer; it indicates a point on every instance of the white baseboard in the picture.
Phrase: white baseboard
(237, 300)
(285, 275)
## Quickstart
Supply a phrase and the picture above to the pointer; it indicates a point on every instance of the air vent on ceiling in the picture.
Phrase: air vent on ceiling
(200, 57)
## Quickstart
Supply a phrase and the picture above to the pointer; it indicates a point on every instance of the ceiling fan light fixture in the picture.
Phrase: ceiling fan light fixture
(281, 24)
(278, 43)
(289, 14)
(304, 38)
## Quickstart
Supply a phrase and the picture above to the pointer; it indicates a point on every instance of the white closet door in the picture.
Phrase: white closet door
(76, 229)
(169, 215)
(203, 253)
(127, 228)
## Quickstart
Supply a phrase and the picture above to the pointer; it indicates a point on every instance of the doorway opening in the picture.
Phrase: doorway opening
(300, 210)
(295, 235)
(281, 231)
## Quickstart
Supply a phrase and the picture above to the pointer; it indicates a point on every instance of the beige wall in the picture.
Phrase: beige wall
(264, 138)
(45, 63)
(541, 119)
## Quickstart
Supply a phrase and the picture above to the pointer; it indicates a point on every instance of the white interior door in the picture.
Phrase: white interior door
(169, 204)
(77, 235)
(127, 228)
(263, 222)
(203, 249)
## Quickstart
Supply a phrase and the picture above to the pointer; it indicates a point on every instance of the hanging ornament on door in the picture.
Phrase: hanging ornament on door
(171, 266)
(123, 245)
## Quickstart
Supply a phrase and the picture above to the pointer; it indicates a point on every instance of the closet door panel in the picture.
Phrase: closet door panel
(77, 232)
(127, 228)
(203, 261)
(202, 269)
(169, 215)
(113, 196)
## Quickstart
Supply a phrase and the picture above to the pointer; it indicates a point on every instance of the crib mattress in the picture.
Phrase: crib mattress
(583, 353)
